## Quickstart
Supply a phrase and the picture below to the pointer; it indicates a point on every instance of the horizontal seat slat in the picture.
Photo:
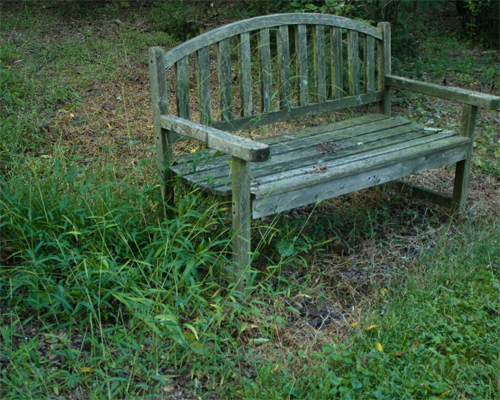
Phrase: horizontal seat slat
(359, 161)
(361, 175)
(294, 155)
(222, 159)
(300, 162)
(287, 149)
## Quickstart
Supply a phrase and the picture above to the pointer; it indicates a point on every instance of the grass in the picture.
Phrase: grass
(367, 296)
(438, 335)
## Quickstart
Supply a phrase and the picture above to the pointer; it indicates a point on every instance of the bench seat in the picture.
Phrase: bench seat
(319, 163)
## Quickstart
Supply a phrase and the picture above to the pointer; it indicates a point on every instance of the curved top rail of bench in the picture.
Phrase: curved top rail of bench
(267, 21)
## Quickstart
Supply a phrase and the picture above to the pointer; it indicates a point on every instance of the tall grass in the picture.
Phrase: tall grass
(94, 258)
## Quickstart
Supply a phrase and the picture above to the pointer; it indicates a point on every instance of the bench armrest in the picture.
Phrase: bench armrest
(448, 93)
(245, 149)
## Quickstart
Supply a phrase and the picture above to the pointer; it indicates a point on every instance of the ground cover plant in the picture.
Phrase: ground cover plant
(105, 294)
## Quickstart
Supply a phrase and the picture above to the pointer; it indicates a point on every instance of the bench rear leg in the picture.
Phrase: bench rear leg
(241, 212)
(163, 139)
(462, 170)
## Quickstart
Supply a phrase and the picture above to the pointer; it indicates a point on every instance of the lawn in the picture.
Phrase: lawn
(104, 294)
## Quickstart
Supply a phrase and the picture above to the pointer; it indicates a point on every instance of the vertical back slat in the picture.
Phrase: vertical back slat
(369, 65)
(265, 69)
(302, 70)
(245, 75)
(336, 60)
(284, 67)
(319, 62)
(163, 139)
(204, 92)
(182, 88)
(224, 68)
(384, 66)
(353, 59)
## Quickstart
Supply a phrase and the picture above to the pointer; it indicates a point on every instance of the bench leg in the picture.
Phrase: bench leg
(163, 138)
(462, 171)
(165, 158)
(241, 223)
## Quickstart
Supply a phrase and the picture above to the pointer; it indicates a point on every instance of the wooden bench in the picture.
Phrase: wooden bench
(287, 66)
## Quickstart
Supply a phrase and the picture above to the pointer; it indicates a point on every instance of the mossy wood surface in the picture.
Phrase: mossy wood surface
(459, 95)
(343, 150)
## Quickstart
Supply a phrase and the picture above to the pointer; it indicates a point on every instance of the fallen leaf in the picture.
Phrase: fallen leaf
(398, 354)
(378, 346)
(328, 147)
(258, 341)
(444, 394)
(275, 369)
(383, 291)
(353, 324)
(318, 169)
(372, 327)
(85, 370)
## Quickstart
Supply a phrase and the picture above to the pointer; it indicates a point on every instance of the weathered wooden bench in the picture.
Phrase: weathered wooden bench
(283, 67)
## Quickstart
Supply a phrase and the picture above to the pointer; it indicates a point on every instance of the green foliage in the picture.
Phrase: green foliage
(177, 18)
(438, 338)
(87, 252)
(254, 8)
(335, 7)
(480, 20)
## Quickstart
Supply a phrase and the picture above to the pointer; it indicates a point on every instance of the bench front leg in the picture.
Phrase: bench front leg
(241, 212)
(462, 171)
(163, 137)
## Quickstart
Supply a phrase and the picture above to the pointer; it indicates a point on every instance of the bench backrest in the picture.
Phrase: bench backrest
(272, 68)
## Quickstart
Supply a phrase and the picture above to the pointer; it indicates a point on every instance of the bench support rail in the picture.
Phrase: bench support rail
(459, 95)
(422, 193)
(216, 139)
